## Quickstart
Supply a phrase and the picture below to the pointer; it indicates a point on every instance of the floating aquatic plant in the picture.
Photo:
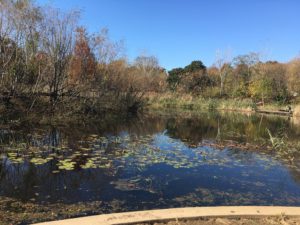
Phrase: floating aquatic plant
(66, 164)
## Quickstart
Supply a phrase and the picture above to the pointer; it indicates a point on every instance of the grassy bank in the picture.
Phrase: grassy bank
(189, 102)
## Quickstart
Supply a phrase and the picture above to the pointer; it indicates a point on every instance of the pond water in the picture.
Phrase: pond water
(149, 162)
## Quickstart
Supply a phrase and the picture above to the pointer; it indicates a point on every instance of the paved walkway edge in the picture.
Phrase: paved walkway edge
(168, 214)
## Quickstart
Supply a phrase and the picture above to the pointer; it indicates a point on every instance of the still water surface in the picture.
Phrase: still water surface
(154, 161)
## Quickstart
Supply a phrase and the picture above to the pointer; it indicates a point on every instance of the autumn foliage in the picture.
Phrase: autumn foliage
(83, 63)
(47, 58)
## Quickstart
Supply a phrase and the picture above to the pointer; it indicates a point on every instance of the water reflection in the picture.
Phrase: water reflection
(148, 162)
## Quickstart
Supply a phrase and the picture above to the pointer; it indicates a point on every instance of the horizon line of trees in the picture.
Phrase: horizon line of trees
(47, 58)
(245, 76)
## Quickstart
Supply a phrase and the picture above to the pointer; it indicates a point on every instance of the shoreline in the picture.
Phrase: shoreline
(191, 103)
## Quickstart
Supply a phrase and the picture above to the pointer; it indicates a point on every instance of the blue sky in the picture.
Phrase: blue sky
(179, 31)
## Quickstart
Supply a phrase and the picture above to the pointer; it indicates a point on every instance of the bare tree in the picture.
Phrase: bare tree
(19, 44)
(147, 65)
(293, 76)
(223, 63)
(8, 44)
(152, 77)
(57, 43)
(106, 50)
(248, 60)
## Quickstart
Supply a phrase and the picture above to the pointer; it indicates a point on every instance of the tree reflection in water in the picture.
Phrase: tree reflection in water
(149, 162)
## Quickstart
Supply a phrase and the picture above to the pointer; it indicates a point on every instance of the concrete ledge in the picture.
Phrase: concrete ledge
(168, 214)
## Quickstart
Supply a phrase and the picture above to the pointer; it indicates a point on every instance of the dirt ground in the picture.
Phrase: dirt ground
(280, 220)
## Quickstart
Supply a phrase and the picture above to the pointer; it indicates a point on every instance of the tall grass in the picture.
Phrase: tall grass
(189, 102)
(283, 147)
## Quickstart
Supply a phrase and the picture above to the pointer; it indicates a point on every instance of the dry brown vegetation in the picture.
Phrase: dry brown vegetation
(47, 59)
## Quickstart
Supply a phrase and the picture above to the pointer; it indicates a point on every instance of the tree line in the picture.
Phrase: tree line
(48, 59)
(245, 76)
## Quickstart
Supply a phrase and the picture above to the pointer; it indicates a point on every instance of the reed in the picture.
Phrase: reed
(189, 102)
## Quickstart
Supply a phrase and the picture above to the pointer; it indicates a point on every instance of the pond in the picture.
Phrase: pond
(159, 160)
